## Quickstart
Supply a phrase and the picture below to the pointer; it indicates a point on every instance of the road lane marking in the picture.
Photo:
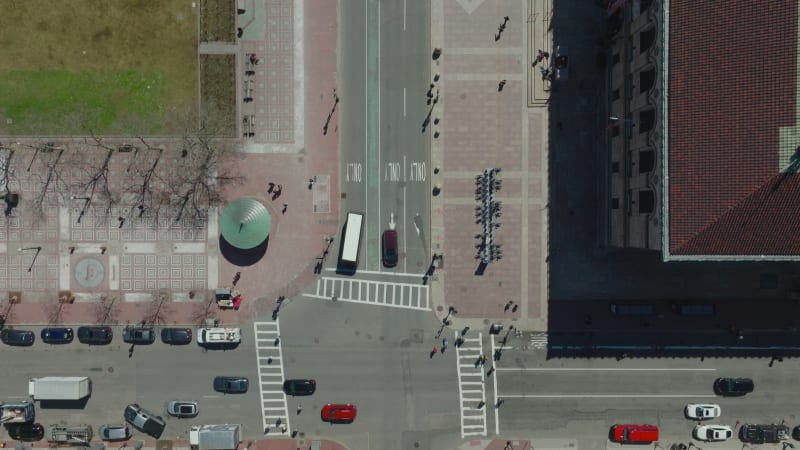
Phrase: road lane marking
(603, 369)
(471, 393)
(404, 114)
(382, 293)
(609, 395)
(205, 396)
(404, 18)
(274, 406)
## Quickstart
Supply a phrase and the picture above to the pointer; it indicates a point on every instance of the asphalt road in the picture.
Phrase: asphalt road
(376, 358)
(580, 399)
(385, 156)
(151, 377)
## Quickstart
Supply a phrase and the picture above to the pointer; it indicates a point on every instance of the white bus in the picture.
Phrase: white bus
(348, 254)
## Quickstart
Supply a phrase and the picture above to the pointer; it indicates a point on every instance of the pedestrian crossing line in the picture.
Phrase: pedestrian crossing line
(269, 361)
(471, 387)
(383, 293)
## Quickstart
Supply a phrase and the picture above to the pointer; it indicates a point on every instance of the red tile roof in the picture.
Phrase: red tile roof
(732, 86)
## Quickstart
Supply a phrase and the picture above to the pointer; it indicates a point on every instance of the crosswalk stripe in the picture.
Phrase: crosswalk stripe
(269, 359)
(393, 294)
(471, 387)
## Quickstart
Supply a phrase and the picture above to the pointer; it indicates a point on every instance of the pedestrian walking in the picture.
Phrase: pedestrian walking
(514, 309)
(508, 305)
(270, 187)
(444, 344)
(299, 408)
(434, 351)
(490, 371)
(505, 19)
(285, 207)
(236, 278)
(501, 85)
(500, 401)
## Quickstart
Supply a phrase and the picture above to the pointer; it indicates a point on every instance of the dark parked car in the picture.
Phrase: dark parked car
(27, 432)
(17, 337)
(57, 335)
(231, 385)
(176, 336)
(140, 336)
(144, 420)
(762, 434)
(389, 248)
(299, 387)
(796, 433)
(95, 335)
(733, 387)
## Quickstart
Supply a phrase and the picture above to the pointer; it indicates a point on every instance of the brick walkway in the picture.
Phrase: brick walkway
(483, 127)
(114, 272)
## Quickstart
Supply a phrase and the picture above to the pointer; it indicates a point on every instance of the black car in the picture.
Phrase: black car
(95, 335)
(796, 433)
(299, 387)
(176, 336)
(57, 335)
(17, 337)
(27, 432)
(762, 434)
(733, 387)
(231, 385)
(140, 335)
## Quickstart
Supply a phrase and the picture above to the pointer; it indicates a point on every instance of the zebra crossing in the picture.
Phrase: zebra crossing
(269, 360)
(393, 294)
(471, 389)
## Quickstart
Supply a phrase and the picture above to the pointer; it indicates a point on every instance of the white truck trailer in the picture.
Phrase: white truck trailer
(59, 388)
(215, 437)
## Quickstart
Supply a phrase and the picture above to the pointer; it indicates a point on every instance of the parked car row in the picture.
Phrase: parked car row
(104, 335)
(726, 387)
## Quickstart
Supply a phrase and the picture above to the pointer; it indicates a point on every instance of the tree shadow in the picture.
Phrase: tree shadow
(242, 258)
(105, 311)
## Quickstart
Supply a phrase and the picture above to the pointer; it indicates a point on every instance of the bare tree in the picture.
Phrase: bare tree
(203, 309)
(106, 310)
(142, 173)
(52, 182)
(98, 175)
(158, 309)
(197, 186)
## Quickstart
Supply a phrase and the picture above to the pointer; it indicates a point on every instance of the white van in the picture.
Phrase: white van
(219, 336)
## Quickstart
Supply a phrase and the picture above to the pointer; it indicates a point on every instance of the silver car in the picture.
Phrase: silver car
(115, 432)
(182, 408)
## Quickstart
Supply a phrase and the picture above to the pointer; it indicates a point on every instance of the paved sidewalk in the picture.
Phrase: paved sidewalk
(484, 126)
(117, 272)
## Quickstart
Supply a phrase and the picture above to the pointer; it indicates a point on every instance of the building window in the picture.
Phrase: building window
(615, 167)
(647, 161)
(615, 95)
(614, 203)
(647, 78)
(647, 120)
(615, 58)
(647, 201)
(644, 5)
(646, 39)
(629, 49)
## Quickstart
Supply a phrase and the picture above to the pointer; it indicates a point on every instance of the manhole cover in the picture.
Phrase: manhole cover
(89, 272)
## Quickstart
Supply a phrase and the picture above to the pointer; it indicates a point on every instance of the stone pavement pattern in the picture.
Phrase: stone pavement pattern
(481, 127)
(129, 264)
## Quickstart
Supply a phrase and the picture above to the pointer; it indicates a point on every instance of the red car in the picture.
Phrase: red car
(339, 413)
(634, 434)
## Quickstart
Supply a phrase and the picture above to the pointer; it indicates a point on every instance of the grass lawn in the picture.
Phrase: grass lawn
(101, 66)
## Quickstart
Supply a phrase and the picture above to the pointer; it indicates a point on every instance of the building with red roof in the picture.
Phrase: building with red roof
(704, 146)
